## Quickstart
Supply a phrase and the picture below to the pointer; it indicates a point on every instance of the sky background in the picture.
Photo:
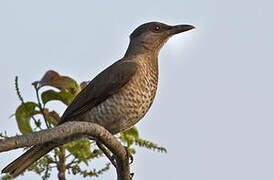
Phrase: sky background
(214, 109)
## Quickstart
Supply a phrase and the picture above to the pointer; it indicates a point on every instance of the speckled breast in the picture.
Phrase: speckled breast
(124, 109)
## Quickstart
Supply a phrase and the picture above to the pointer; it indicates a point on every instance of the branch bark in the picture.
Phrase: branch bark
(72, 131)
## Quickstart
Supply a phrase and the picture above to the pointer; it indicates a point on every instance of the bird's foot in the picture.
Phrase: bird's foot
(112, 157)
(131, 175)
(129, 155)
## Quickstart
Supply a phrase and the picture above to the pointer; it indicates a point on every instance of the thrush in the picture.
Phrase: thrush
(119, 96)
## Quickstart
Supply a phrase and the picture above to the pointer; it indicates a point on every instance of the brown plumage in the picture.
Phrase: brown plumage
(120, 95)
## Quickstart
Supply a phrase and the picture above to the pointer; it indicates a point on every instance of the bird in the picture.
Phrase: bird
(119, 96)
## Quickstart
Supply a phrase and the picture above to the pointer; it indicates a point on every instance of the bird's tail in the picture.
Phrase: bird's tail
(28, 158)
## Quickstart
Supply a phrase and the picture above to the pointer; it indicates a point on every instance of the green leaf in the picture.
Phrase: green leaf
(52, 78)
(42, 167)
(52, 117)
(6, 177)
(129, 136)
(131, 150)
(150, 145)
(65, 96)
(132, 132)
(23, 115)
(80, 150)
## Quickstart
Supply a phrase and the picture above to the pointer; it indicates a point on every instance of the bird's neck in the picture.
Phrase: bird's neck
(140, 48)
(143, 55)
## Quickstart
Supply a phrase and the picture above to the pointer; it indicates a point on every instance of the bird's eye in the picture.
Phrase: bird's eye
(156, 28)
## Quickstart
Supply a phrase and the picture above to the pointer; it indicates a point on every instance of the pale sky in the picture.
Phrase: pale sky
(214, 109)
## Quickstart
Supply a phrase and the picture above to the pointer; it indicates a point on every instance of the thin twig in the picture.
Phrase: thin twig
(21, 98)
(40, 105)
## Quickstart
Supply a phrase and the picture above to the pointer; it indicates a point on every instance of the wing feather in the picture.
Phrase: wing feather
(105, 84)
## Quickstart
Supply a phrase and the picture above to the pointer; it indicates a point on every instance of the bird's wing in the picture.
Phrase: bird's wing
(105, 84)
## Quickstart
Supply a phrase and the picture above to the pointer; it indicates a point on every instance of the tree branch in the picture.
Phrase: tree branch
(68, 132)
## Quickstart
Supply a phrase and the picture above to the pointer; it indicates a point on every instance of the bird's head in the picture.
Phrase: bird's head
(153, 35)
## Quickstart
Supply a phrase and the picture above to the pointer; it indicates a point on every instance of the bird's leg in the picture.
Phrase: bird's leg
(105, 151)
(129, 155)
(109, 156)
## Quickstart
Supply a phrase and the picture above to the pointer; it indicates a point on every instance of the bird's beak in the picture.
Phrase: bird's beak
(180, 28)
